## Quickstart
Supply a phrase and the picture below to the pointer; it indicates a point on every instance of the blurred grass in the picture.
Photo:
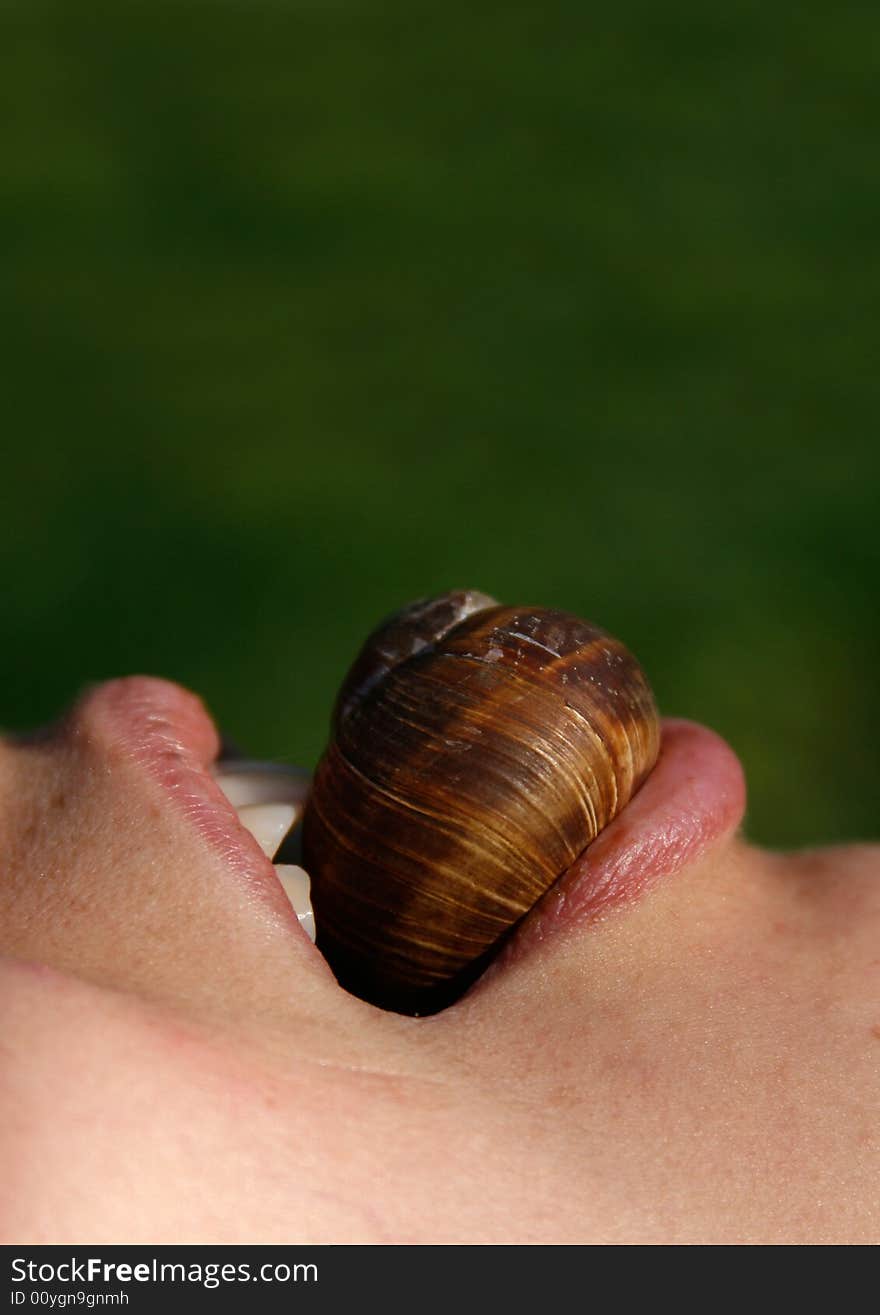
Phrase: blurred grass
(308, 309)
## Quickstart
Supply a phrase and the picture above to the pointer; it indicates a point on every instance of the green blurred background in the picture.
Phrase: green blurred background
(311, 308)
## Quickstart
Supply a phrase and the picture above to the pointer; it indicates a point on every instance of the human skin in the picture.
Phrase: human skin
(698, 1062)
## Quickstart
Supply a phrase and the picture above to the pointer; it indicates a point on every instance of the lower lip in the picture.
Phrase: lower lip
(693, 799)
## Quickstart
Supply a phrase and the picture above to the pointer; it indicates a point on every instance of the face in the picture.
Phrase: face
(681, 1043)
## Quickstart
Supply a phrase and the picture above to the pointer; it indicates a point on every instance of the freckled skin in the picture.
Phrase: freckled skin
(701, 1066)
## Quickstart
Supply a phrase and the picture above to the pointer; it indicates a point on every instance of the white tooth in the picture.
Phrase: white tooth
(296, 887)
(269, 823)
(246, 783)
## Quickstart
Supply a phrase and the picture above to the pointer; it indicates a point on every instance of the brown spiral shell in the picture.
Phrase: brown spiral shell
(477, 750)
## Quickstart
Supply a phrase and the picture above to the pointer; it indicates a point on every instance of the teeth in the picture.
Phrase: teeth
(269, 823)
(269, 800)
(296, 887)
(246, 783)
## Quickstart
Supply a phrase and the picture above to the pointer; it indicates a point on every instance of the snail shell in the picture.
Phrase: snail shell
(477, 750)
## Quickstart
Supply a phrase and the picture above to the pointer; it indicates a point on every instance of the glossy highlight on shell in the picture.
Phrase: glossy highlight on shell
(477, 751)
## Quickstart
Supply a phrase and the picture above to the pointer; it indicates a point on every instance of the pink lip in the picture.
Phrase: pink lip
(693, 798)
(167, 731)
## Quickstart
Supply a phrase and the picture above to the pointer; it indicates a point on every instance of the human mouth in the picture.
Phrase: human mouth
(250, 812)
(246, 811)
(269, 800)
(693, 799)
(694, 796)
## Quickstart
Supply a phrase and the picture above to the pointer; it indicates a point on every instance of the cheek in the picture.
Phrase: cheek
(749, 962)
(114, 1121)
(156, 1132)
(827, 922)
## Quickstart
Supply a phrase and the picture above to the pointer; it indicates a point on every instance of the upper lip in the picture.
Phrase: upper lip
(169, 733)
